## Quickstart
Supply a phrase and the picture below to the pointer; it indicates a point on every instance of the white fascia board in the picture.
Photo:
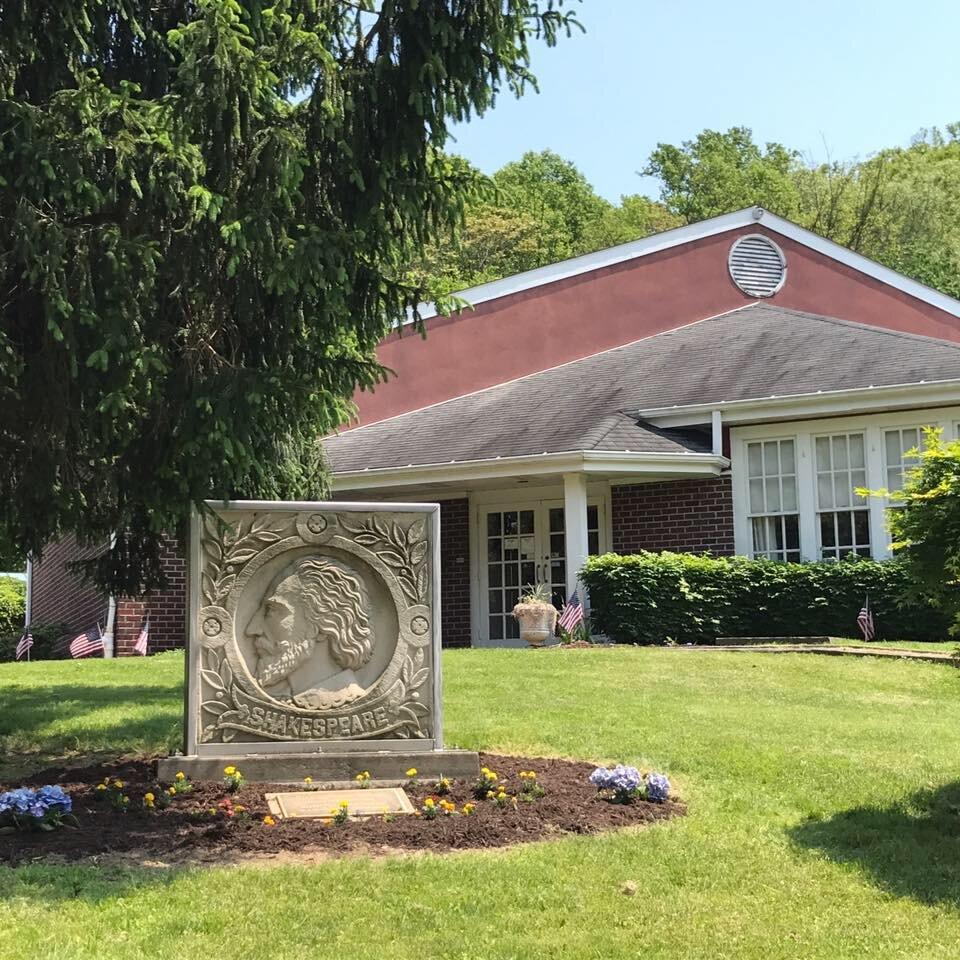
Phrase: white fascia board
(750, 216)
(860, 263)
(798, 406)
(591, 461)
(597, 261)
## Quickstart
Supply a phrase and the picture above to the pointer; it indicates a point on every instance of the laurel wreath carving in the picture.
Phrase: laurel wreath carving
(227, 550)
(413, 676)
(404, 551)
(217, 675)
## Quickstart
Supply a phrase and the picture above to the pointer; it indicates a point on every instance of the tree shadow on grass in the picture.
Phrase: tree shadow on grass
(102, 719)
(911, 849)
(53, 883)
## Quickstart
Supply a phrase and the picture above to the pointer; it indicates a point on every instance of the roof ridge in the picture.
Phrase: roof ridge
(605, 426)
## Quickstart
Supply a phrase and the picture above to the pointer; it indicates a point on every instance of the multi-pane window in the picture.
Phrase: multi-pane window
(897, 445)
(772, 479)
(843, 518)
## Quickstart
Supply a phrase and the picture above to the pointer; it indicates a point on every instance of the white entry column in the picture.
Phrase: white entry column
(575, 524)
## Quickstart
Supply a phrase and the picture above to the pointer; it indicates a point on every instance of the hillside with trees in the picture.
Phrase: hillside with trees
(900, 207)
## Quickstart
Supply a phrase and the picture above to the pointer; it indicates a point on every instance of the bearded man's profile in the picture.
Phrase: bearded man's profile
(311, 632)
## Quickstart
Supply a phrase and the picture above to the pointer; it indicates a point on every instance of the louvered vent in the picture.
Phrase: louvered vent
(757, 266)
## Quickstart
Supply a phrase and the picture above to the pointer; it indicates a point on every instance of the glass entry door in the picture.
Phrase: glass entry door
(524, 545)
(511, 564)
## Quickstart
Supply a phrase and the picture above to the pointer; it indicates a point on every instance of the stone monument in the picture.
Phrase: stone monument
(313, 643)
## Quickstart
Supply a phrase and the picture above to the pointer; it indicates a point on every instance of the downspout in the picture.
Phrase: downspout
(29, 600)
(108, 641)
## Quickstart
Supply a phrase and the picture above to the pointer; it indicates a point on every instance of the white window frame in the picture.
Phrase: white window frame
(803, 432)
(781, 514)
(854, 505)
(903, 465)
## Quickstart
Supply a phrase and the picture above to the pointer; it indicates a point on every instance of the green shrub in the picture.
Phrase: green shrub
(659, 597)
(12, 604)
(926, 528)
(44, 638)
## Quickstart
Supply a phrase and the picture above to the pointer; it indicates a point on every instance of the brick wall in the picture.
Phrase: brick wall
(455, 572)
(686, 516)
(167, 608)
(59, 596)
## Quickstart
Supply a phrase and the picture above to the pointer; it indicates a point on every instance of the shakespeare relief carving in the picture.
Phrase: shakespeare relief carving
(315, 626)
(310, 633)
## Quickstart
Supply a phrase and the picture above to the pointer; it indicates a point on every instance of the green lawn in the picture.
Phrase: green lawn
(823, 793)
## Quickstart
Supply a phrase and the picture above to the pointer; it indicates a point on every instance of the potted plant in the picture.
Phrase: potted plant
(536, 615)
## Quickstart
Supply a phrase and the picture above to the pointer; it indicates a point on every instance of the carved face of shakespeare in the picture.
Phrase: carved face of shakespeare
(321, 602)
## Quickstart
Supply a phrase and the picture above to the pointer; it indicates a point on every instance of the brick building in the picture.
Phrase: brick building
(720, 387)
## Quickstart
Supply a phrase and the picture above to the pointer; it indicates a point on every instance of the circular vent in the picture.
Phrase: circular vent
(757, 266)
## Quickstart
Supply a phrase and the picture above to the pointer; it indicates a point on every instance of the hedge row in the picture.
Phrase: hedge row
(664, 597)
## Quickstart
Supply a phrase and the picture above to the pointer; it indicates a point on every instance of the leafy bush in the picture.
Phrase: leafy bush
(12, 604)
(44, 638)
(659, 597)
(926, 528)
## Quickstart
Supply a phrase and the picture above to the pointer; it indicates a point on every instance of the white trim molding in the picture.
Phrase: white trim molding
(902, 396)
(595, 462)
(804, 434)
(749, 216)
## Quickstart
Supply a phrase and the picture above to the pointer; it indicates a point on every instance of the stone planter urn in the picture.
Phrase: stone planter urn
(537, 616)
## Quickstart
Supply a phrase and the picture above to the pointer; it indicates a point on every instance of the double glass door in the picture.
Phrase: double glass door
(524, 545)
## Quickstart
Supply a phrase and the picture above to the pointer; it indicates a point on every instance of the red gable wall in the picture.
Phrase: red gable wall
(552, 324)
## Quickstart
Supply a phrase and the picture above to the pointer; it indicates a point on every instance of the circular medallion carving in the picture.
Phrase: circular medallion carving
(316, 523)
(419, 625)
(211, 627)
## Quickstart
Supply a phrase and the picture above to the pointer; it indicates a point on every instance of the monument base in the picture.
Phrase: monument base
(333, 768)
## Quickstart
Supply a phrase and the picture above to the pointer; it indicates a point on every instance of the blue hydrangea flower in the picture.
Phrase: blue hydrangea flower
(658, 787)
(624, 780)
(599, 778)
(55, 798)
(16, 801)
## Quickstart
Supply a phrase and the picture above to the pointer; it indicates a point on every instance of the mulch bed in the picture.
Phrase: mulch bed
(186, 832)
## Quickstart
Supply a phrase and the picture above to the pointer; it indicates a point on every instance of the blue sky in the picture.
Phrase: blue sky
(834, 80)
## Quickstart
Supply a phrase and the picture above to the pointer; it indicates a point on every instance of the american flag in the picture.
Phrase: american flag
(865, 621)
(24, 645)
(572, 614)
(141, 645)
(87, 643)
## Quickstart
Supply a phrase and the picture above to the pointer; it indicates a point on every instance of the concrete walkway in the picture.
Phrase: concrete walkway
(887, 653)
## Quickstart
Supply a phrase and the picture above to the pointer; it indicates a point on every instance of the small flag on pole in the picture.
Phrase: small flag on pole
(87, 643)
(865, 621)
(572, 614)
(24, 645)
(141, 645)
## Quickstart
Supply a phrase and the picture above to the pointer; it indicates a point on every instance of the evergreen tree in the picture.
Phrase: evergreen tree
(206, 211)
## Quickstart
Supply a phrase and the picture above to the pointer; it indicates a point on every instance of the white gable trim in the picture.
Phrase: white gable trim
(751, 216)
(824, 403)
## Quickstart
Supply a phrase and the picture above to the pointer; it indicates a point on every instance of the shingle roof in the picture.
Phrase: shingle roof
(755, 352)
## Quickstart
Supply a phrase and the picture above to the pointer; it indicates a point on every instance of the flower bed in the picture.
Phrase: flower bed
(206, 823)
